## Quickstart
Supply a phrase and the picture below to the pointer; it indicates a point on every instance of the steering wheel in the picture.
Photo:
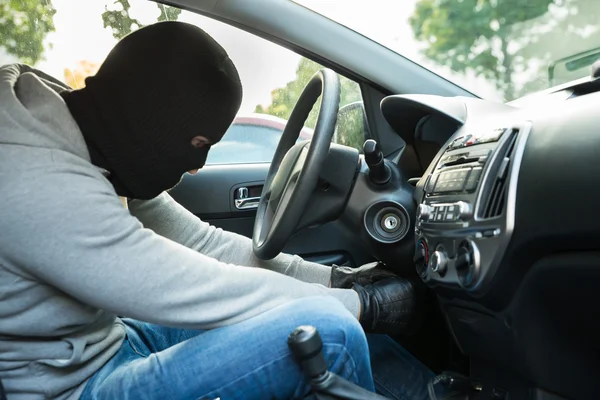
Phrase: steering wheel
(295, 168)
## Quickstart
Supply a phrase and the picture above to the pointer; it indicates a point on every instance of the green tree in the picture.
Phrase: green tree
(350, 128)
(123, 24)
(476, 34)
(498, 39)
(25, 25)
(284, 99)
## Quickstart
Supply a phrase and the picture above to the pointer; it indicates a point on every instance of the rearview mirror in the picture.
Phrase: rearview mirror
(352, 128)
(570, 68)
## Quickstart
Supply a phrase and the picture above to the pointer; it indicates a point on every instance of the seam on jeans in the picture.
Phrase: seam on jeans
(351, 359)
(214, 392)
(136, 351)
(209, 394)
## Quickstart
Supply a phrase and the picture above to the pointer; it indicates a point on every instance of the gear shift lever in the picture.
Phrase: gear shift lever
(306, 346)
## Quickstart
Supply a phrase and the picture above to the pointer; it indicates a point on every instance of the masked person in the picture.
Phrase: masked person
(200, 316)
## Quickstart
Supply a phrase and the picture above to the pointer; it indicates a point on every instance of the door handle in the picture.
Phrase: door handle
(243, 202)
(250, 203)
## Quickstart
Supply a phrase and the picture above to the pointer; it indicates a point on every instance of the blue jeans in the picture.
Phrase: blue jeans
(251, 359)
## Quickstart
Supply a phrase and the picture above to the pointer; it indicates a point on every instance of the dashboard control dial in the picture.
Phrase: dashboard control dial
(421, 258)
(439, 262)
(467, 263)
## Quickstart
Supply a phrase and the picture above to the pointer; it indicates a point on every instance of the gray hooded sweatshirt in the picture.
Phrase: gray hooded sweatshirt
(72, 257)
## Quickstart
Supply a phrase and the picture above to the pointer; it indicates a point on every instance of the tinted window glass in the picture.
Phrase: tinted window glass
(245, 144)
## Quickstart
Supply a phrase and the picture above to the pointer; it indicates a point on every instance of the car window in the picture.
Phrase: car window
(69, 39)
(499, 49)
(245, 144)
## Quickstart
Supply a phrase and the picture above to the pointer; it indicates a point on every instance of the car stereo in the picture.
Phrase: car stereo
(463, 221)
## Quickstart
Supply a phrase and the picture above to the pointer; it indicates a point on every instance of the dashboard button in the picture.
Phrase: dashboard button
(424, 211)
(450, 216)
(439, 216)
(464, 210)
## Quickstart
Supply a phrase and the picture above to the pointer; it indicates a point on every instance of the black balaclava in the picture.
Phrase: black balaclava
(158, 88)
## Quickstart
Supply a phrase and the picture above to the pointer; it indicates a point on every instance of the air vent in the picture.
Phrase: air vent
(497, 198)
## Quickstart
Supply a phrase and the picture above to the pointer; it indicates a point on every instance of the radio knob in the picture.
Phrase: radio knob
(421, 258)
(465, 263)
(438, 262)
(464, 259)
(464, 210)
(424, 211)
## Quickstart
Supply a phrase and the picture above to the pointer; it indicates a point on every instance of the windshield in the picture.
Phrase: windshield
(497, 49)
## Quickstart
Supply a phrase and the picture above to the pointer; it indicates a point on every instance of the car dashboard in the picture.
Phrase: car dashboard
(508, 237)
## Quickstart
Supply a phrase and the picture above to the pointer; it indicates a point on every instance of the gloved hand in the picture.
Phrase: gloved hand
(387, 306)
(344, 277)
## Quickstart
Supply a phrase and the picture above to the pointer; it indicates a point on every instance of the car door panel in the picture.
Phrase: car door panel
(210, 194)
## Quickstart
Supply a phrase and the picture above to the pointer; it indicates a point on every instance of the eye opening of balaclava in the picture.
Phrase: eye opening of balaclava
(158, 89)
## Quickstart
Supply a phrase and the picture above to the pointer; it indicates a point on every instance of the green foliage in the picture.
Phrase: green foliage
(351, 127)
(498, 38)
(122, 24)
(475, 34)
(284, 99)
(24, 25)
(168, 13)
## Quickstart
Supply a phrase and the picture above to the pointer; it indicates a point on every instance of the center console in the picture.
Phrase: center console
(466, 214)
(500, 240)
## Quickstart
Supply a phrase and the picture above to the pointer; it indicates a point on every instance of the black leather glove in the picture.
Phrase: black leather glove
(345, 277)
(387, 306)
